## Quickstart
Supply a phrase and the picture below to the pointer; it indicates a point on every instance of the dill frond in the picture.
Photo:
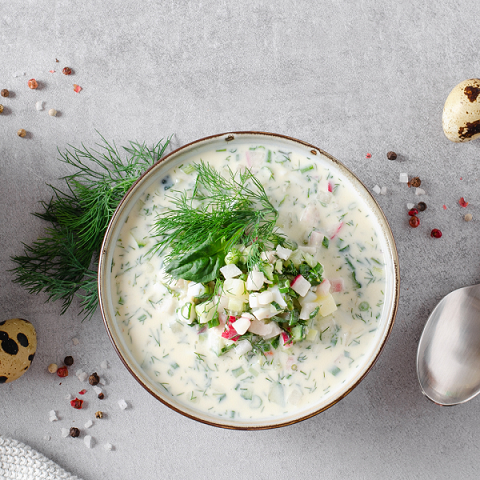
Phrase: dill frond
(63, 262)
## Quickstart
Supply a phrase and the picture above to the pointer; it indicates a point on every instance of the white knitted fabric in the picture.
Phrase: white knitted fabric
(21, 462)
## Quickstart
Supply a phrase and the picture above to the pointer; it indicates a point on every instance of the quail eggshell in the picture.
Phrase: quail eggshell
(461, 113)
(18, 344)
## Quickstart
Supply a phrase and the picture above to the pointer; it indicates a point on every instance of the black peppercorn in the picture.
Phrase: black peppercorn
(74, 432)
(391, 155)
(422, 206)
(415, 182)
(93, 379)
(68, 361)
(98, 414)
(101, 396)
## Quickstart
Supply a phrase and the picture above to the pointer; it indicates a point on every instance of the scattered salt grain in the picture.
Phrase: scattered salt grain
(75, 341)
(410, 206)
(88, 440)
(419, 191)
(103, 381)
(104, 364)
(39, 105)
(376, 189)
(65, 432)
(19, 74)
(52, 416)
(83, 377)
(403, 178)
(88, 424)
(47, 438)
(97, 390)
(122, 404)
(383, 191)
(108, 446)
(68, 396)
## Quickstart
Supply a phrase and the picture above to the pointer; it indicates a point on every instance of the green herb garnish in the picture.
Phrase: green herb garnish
(63, 262)
(202, 226)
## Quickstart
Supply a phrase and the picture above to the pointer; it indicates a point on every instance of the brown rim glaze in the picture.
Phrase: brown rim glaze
(386, 230)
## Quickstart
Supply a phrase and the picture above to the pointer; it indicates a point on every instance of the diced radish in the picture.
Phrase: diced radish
(300, 285)
(243, 347)
(260, 328)
(253, 300)
(308, 298)
(265, 298)
(265, 312)
(230, 333)
(337, 230)
(230, 271)
(241, 325)
(255, 281)
(248, 315)
(330, 187)
(277, 296)
(286, 339)
(323, 288)
(338, 285)
(275, 330)
(307, 309)
(236, 305)
(283, 253)
(195, 289)
(269, 256)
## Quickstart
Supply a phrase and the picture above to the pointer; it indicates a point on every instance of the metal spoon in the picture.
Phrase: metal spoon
(448, 355)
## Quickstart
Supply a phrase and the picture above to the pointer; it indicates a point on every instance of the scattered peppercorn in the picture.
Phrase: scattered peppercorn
(5, 93)
(391, 155)
(74, 432)
(422, 206)
(414, 182)
(436, 233)
(414, 222)
(52, 112)
(22, 133)
(101, 396)
(32, 83)
(462, 202)
(76, 403)
(94, 379)
(98, 414)
(67, 71)
(52, 368)
(468, 217)
(68, 361)
(1, 108)
(413, 212)
(62, 372)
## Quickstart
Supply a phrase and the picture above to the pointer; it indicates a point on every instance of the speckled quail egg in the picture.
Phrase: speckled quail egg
(18, 343)
(461, 113)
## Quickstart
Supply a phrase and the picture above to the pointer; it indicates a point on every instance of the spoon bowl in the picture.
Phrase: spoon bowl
(448, 355)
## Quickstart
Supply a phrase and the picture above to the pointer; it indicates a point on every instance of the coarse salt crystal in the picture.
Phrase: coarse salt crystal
(88, 440)
(419, 191)
(39, 105)
(97, 390)
(88, 424)
(376, 189)
(18, 74)
(47, 437)
(82, 377)
(403, 178)
(75, 341)
(65, 432)
(103, 381)
(410, 206)
(383, 191)
(108, 446)
(52, 413)
(68, 396)
(122, 404)
(52, 416)
(104, 364)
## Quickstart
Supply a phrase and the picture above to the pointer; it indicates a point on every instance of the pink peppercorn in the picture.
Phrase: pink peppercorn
(436, 233)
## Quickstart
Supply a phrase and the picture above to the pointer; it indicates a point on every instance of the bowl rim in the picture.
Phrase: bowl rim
(229, 136)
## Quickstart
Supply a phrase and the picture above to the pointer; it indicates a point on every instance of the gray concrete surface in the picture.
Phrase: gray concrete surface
(350, 77)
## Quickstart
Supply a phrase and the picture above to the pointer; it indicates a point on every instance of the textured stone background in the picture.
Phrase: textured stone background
(350, 77)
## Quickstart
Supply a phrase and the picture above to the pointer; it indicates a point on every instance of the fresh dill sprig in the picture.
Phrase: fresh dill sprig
(63, 262)
(202, 226)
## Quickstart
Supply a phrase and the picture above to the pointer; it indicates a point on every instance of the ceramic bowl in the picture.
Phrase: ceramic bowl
(193, 151)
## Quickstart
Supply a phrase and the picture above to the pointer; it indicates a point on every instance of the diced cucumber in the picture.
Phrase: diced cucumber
(206, 311)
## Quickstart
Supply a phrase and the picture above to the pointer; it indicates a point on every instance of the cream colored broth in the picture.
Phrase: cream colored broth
(182, 359)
